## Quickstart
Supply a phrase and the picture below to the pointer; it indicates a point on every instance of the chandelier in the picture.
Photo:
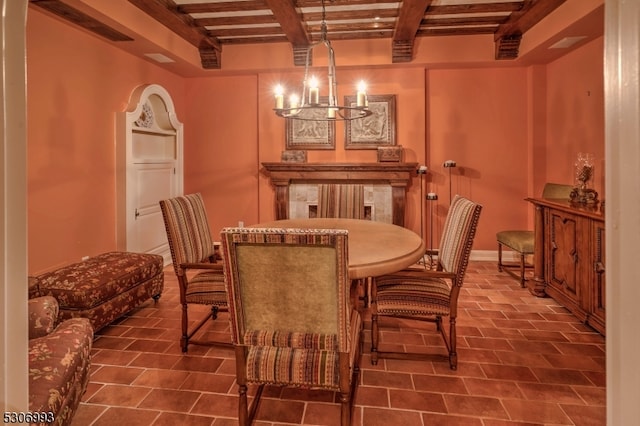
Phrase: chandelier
(309, 105)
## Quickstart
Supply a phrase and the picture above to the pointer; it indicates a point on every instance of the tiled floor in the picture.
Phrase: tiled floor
(522, 361)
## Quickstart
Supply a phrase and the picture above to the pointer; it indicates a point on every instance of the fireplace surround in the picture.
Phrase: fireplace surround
(395, 175)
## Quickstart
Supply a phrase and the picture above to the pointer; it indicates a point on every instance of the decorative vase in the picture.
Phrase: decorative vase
(583, 168)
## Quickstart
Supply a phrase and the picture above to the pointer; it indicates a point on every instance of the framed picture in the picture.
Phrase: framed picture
(378, 129)
(309, 133)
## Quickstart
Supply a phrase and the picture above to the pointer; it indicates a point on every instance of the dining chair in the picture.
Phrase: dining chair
(429, 295)
(521, 241)
(292, 323)
(341, 200)
(344, 200)
(200, 278)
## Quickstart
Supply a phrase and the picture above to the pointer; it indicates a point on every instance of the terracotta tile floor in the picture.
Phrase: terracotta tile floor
(522, 361)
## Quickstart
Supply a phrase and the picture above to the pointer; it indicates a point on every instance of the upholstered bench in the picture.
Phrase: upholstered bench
(104, 287)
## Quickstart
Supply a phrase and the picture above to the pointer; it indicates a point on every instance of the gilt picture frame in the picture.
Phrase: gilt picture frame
(310, 134)
(378, 129)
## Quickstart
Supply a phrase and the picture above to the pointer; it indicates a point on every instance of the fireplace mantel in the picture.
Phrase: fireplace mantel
(397, 175)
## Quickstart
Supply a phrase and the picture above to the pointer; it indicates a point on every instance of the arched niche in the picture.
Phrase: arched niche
(149, 168)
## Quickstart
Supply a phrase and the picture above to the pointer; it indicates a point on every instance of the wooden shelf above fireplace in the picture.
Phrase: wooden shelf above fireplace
(397, 175)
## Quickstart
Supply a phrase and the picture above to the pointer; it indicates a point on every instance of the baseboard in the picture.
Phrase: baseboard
(492, 256)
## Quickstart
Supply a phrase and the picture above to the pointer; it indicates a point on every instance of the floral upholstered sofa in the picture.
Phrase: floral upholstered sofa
(59, 362)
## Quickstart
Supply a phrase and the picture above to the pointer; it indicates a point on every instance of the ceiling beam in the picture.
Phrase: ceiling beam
(409, 19)
(166, 12)
(291, 23)
(509, 34)
(532, 12)
(81, 19)
(209, 24)
(508, 47)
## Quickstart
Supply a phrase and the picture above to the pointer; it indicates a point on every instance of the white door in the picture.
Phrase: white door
(152, 183)
(149, 154)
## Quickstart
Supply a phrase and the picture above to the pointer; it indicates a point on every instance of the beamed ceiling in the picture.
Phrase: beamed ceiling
(211, 24)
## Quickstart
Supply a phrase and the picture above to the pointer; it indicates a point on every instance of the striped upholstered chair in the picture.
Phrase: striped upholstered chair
(201, 280)
(341, 200)
(292, 323)
(344, 200)
(429, 295)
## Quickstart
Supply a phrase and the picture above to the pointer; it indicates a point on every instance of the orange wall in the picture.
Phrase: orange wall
(508, 128)
(223, 154)
(75, 84)
(478, 118)
(221, 148)
(575, 113)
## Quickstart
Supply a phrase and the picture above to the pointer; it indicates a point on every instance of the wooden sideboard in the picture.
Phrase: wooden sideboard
(397, 175)
(569, 260)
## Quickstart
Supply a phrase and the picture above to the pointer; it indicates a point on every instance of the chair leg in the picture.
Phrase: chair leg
(374, 339)
(345, 409)
(453, 354)
(243, 409)
(245, 413)
(364, 292)
(510, 268)
(186, 335)
(184, 340)
(359, 293)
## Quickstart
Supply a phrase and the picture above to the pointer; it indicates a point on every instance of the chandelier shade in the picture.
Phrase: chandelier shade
(308, 104)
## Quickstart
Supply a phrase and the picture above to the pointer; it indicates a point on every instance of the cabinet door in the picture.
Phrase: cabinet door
(597, 305)
(567, 237)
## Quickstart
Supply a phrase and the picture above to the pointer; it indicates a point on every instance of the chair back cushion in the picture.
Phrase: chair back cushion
(188, 232)
(288, 287)
(341, 200)
(457, 236)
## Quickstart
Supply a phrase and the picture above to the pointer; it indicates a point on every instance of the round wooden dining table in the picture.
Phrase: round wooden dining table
(375, 248)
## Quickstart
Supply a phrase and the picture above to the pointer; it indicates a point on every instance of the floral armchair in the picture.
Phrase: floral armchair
(59, 362)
